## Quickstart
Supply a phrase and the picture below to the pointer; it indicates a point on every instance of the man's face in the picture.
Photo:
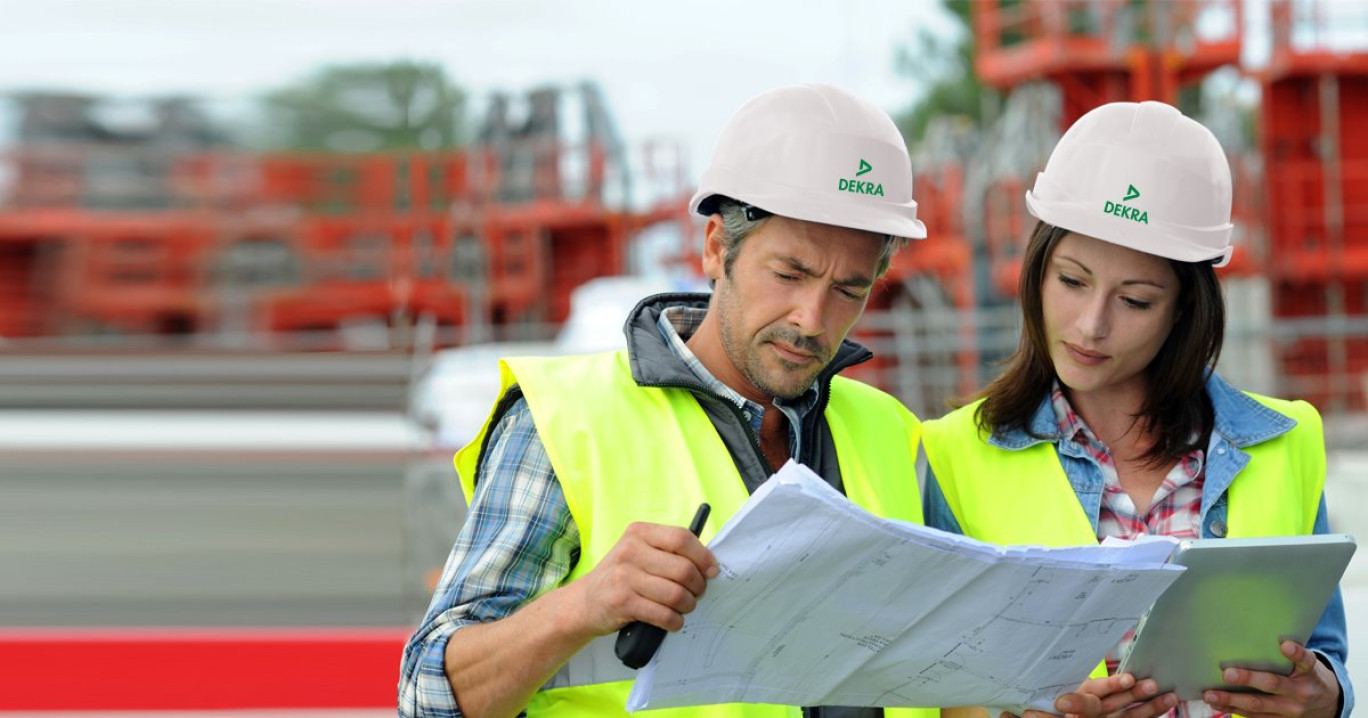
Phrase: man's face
(793, 293)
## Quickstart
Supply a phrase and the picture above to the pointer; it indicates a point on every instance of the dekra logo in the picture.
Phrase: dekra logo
(859, 186)
(1132, 213)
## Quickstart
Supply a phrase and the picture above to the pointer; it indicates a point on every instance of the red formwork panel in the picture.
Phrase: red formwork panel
(940, 199)
(20, 312)
(1295, 213)
(1007, 227)
(1317, 175)
(1316, 157)
(1099, 51)
(1320, 363)
(515, 243)
(369, 266)
(139, 275)
(581, 252)
(351, 237)
(199, 669)
(331, 183)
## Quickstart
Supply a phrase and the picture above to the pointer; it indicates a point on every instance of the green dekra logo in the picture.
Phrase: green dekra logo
(859, 186)
(1134, 214)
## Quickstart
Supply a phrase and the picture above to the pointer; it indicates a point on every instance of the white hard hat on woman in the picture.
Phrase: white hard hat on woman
(1141, 175)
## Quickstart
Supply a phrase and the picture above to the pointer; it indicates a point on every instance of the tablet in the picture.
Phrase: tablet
(1237, 600)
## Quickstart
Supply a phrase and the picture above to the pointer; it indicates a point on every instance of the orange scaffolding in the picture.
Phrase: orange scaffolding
(286, 242)
(1316, 175)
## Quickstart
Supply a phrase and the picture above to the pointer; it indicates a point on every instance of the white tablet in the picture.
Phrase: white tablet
(1237, 600)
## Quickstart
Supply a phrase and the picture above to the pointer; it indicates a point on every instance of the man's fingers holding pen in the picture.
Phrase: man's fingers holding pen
(667, 552)
(653, 574)
(677, 541)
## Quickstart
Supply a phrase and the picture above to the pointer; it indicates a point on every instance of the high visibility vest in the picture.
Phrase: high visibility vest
(1013, 497)
(1023, 496)
(625, 453)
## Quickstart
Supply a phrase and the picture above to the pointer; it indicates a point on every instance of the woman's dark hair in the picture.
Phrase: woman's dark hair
(1177, 410)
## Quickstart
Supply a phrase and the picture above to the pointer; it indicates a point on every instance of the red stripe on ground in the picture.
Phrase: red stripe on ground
(199, 669)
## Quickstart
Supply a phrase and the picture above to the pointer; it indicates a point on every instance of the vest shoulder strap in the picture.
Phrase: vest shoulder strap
(876, 439)
(1279, 488)
(999, 495)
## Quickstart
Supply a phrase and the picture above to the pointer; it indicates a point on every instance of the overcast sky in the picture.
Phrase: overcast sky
(673, 70)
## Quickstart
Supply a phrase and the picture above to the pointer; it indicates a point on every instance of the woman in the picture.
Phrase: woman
(1109, 419)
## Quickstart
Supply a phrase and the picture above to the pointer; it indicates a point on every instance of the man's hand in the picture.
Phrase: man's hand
(654, 574)
(1119, 696)
(1311, 690)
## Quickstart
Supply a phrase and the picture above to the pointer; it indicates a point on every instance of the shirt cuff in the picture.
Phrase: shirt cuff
(1346, 696)
(426, 693)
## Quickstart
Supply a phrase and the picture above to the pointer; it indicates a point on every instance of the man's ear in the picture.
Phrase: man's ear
(714, 253)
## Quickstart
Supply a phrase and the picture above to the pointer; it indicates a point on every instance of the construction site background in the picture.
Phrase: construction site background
(208, 355)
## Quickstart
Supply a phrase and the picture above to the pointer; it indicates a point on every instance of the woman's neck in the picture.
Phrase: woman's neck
(1113, 416)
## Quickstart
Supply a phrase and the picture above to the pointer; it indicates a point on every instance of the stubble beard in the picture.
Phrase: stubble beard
(746, 358)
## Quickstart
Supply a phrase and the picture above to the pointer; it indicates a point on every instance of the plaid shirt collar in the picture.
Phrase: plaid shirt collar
(678, 323)
(1070, 424)
(1239, 419)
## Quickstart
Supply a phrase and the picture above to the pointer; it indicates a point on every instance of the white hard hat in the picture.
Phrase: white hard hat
(815, 153)
(1143, 176)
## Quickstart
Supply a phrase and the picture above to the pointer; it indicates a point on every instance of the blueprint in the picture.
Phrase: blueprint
(819, 602)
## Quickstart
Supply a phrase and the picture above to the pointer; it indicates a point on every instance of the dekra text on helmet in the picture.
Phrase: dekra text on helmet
(870, 188)
(1131, 213)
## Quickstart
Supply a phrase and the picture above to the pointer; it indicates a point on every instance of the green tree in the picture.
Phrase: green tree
(365, 107)
(945, 67)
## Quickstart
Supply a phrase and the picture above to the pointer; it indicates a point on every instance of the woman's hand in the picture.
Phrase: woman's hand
(1118, 696)
(1311, 690)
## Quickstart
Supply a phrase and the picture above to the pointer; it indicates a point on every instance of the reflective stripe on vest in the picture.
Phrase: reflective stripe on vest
(625, 453)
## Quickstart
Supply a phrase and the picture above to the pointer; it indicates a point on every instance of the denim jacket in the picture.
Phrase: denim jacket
(1239, 422)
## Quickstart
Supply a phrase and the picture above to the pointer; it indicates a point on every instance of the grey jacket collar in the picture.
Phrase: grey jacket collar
(653, 364)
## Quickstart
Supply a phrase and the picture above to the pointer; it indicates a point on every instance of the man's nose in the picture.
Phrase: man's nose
(809, 310)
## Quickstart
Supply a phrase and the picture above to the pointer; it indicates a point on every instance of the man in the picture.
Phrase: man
(589, 467)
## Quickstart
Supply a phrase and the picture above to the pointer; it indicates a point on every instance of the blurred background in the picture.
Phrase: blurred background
(258, 259)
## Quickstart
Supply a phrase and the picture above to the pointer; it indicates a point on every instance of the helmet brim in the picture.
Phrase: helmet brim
(853, 212)
(1090, 221)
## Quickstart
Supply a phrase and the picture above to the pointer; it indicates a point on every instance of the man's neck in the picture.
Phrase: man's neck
(774, 437)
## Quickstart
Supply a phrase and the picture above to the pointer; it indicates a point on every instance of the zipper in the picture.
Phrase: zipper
(704, 392)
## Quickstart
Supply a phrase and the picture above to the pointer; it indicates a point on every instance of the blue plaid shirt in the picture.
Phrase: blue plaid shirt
(519, 539)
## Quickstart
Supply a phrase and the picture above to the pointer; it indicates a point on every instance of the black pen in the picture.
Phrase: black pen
(638, 641)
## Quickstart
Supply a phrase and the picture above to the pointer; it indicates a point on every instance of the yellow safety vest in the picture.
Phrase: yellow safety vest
(1013, 497)
(624, 453)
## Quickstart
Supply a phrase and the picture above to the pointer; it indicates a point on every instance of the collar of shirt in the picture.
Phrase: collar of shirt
(1185, 472)
(677, 324)
(1072, 426)
(1240, 420)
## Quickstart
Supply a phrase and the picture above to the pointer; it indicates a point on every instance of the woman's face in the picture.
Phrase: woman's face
(1107, 311)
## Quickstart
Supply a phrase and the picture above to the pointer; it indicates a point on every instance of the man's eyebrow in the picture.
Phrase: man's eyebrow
(855, 280)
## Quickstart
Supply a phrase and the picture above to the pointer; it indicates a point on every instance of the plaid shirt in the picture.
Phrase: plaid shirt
(519, 539)
(1175, 510)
